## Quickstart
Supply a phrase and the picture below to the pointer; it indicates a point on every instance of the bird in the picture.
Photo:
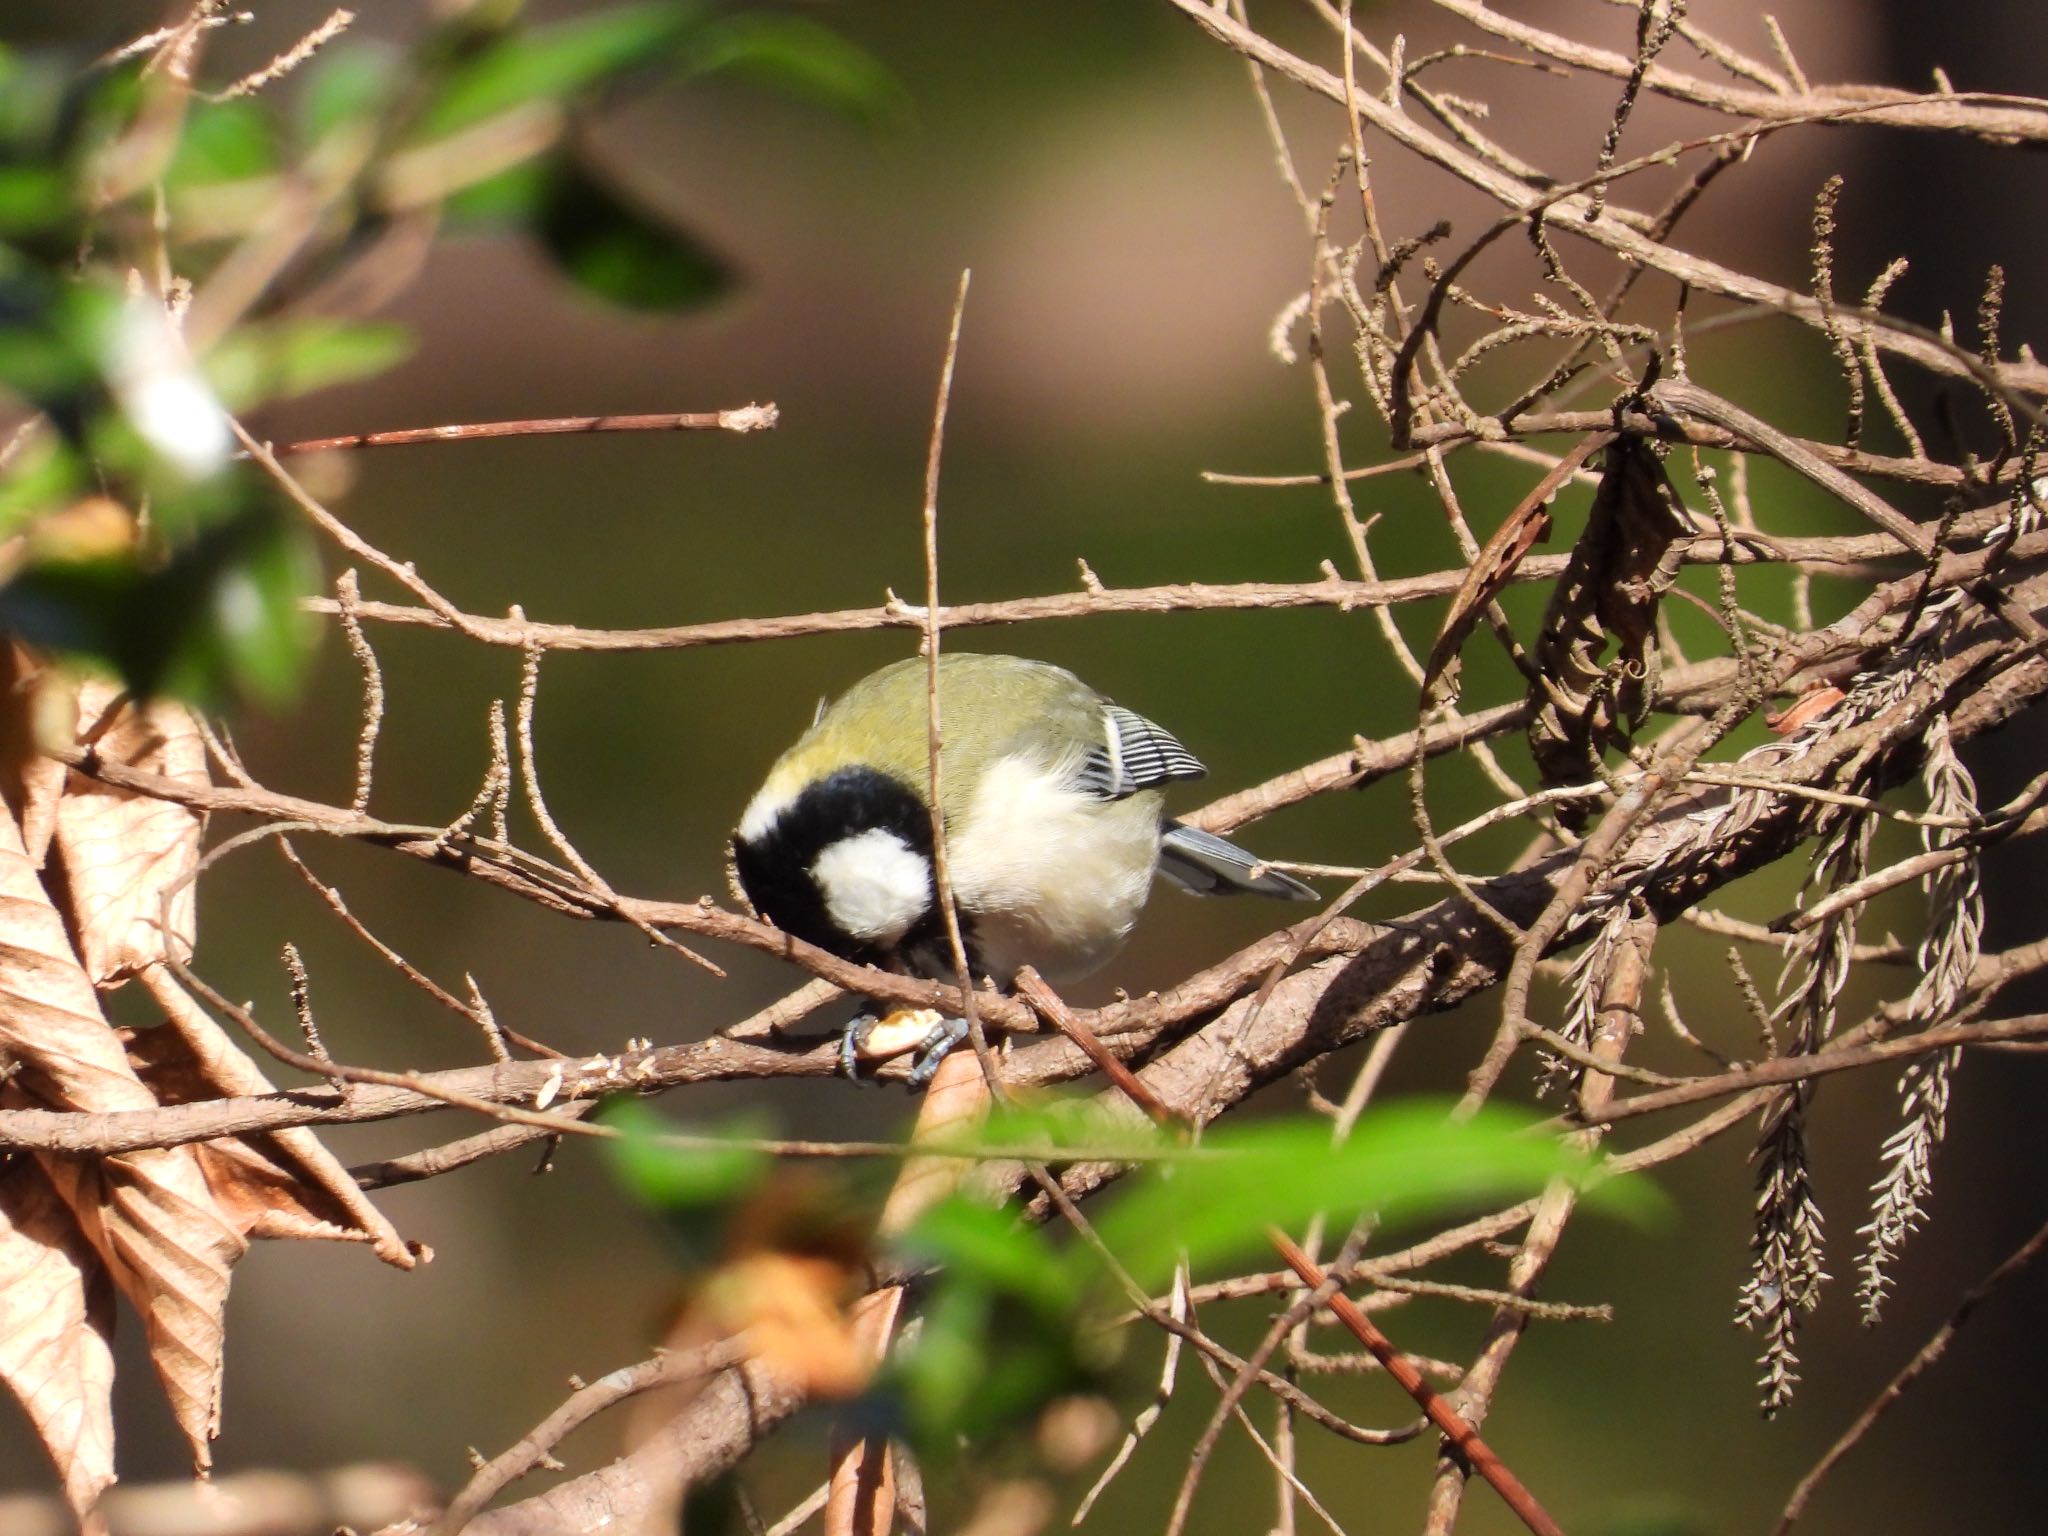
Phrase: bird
(1053, 809)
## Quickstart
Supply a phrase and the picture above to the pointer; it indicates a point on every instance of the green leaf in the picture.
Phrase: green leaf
(992, 1250)
(219, 619)
(1404, 1161)
(44, 475)
(255, 639)
(33, 198)
(669, 1177)
(803, 59)
(52, 339)
(1000, 1331)
(257, 362)
(1061, 1130)
(552, 63)
(618, 251)
(978, 1366)
(347, 87)
(935, 1380)
(512, 197)
(224, 141)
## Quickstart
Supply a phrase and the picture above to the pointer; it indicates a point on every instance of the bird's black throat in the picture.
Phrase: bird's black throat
(775, 868)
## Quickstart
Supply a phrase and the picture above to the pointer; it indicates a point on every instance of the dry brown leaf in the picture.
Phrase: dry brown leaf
(153, 1220)
(56, 1317)
(1596, 656)
(34, 700)
(122, 853)
(1524, 528)
(149, 1214)
(263, 1195)
(1809, 706)
(284, 1185)
(792, 1307)
(50, 1020)
(42, 784)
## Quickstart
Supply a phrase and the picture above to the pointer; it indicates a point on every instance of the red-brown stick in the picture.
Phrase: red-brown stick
(1439, 1412)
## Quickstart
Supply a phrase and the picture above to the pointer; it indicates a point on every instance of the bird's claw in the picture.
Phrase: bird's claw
(923, 1033)
(938, 1043)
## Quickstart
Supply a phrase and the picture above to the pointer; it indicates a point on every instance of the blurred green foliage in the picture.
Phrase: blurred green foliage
(163, 253)
(1011, 1315)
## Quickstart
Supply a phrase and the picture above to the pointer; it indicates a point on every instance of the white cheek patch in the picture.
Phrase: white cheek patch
(875, 885)
(763, 811)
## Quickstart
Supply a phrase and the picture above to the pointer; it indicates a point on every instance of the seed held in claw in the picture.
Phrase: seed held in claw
(907, 1029)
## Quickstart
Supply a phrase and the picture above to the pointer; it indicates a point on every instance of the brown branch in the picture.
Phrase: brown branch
(718, 1428)
(534, 1447)
(1517, 425)
(432, 1162)
(1185, 597)
(745, 418)
(1999, 119)
(1619, 1017)
(1181, 597)
(1836, 1056)
(1610, 229)
(259, 1501)
(1460, 1434)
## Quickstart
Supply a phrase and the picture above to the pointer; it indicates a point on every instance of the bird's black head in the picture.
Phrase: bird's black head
(803, 868)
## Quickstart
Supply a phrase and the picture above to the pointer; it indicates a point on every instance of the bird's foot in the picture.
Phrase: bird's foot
(925, 1032)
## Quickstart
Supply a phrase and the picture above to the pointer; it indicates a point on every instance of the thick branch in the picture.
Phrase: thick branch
(718, 1428)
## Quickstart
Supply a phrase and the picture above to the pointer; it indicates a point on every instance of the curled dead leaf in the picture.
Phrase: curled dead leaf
(1522, 530)
(1809, 706)
(50, 1019)
(37, 704)
(282, 1185)
(128, 859)
(154, 1222)
(56, 1323)
(149, 1215)
(1596, 657)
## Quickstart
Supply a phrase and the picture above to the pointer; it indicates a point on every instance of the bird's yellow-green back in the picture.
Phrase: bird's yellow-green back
(989, 707)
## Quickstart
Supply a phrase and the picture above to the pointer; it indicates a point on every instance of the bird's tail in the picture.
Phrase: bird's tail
(1208, 865)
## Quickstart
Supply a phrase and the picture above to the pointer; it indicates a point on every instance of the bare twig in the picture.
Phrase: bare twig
(1922, 1362)
(745, 418)
(586, 1403)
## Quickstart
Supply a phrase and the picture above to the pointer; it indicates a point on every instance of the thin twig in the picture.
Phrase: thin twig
(1461, 1435)
(745, 418)
(1923, 1360)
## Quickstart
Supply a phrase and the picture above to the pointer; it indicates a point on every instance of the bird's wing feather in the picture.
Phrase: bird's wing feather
(1135, 754)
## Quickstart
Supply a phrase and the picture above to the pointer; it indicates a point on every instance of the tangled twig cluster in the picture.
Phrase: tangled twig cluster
(1640, 811)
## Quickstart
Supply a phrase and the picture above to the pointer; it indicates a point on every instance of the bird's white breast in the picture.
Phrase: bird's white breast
(1054, 878)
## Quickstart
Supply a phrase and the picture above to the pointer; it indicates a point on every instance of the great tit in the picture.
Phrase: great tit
(1054, 821)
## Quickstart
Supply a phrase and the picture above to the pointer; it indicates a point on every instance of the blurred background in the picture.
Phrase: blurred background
(1103, 171)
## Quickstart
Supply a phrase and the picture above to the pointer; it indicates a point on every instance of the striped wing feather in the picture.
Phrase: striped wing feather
(1136, 755)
